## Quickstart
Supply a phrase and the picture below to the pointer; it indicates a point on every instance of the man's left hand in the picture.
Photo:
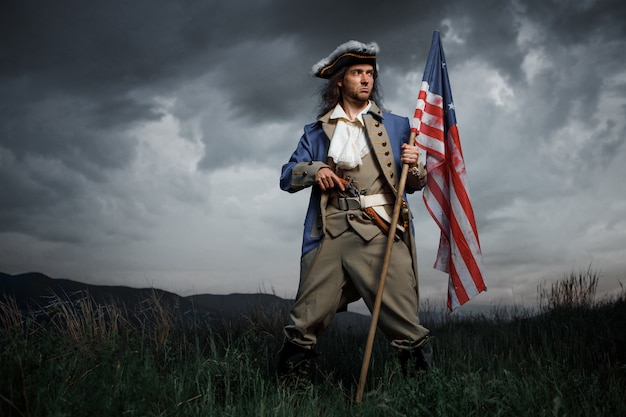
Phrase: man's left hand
(410, 154)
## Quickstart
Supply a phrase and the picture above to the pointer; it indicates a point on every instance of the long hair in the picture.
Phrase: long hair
(330, 93)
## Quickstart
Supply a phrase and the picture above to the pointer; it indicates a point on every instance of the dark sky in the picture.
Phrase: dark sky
(141, 141)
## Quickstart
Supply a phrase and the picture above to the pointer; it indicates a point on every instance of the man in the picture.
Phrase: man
(352, 158)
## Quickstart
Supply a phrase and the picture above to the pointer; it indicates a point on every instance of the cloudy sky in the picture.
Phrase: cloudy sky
(141, 141)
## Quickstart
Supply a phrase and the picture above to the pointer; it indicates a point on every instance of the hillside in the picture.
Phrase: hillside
(34, 291)
(569, 360)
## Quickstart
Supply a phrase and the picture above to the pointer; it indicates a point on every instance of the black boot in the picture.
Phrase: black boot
(415, 361)
(294, 361)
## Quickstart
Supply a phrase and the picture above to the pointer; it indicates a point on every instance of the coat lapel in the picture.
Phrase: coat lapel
(379, 140)
(381, 145)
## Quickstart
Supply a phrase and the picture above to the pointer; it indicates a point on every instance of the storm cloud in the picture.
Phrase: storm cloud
(141, 142)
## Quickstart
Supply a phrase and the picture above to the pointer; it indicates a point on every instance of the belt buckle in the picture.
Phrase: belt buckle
(349, 203)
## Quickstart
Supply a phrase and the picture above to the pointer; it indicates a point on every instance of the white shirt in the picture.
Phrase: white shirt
(348, 144)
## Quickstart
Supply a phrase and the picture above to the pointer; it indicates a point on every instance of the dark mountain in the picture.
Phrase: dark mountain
(35, 291)
(237, 304)
(32, 290)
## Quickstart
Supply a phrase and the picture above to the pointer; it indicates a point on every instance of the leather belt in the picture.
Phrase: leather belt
(361, 202)
(373, 202)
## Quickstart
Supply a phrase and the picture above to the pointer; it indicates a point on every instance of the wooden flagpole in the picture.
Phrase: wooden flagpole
(383, 277)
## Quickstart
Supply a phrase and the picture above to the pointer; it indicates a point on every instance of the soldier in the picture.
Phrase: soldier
(351, 157)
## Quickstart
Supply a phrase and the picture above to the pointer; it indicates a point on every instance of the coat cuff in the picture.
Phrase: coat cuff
(303, 174)
(418, 181)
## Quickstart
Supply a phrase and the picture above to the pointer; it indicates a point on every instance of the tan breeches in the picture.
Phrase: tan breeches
(346, 268)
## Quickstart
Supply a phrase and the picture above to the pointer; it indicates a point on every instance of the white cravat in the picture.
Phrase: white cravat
(348, 144)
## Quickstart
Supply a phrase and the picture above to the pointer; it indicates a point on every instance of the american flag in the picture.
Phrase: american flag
(446, 194)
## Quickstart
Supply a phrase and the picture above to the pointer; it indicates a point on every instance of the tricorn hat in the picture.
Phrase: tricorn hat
(346, 54)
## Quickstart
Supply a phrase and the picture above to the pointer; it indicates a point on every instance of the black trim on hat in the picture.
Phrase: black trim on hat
(346, 60)
(346, 54)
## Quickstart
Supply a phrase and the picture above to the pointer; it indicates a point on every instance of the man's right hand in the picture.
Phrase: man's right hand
(327, 179)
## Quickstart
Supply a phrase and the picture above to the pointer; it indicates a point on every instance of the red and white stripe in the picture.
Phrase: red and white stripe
(447, 199)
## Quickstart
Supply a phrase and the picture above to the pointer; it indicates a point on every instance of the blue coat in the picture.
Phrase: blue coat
(386, 132)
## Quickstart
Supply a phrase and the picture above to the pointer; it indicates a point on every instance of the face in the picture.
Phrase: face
(357, 83)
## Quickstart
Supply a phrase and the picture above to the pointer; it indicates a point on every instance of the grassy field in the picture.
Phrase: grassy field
(81, 359)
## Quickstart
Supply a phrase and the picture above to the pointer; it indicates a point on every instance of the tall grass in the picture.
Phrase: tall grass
(81, 358)
(576, 290)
